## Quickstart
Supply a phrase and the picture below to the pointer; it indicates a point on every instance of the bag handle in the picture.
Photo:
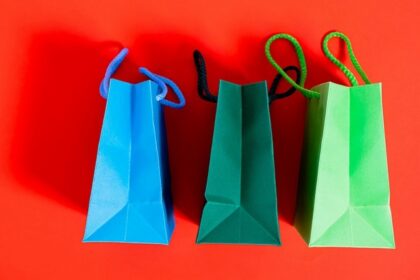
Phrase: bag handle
(204, 92)
(272, 92)
(110, 70)
(162, 82)
(302, 63)
(343, 68)
(202, 84)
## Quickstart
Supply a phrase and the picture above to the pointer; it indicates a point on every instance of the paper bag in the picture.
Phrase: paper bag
(241, 201)
(343, 197)
(130, 199)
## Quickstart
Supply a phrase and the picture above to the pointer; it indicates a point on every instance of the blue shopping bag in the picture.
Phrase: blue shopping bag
(130, 199)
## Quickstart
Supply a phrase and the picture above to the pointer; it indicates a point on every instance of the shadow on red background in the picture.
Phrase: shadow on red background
(60, 113)
(59, 117)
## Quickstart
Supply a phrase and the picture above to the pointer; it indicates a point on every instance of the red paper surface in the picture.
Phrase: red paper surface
(53, 55)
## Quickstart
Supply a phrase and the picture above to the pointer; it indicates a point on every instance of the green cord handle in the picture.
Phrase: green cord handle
(339, 64)
(301, 57)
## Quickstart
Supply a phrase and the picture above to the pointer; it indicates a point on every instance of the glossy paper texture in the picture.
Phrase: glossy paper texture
(343, 196)
(241, 197)
(130, 199)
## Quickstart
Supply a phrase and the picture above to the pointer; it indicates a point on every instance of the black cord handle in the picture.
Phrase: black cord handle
(203, 87)
(272, 95)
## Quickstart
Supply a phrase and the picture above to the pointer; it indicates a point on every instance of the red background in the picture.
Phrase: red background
(53, 55)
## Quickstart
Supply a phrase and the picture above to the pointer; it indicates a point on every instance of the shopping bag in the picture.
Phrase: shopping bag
(343, 197)
(241, 202)
(130, 199)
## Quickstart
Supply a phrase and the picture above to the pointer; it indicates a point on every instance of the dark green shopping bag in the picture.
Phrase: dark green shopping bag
(241, 202)
(343, 198)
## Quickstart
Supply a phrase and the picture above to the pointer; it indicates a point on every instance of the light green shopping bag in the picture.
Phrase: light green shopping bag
(241, 200)
(343, 198)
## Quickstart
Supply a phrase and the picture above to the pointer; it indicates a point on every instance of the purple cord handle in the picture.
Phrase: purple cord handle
(110, 70)
(162, 82)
